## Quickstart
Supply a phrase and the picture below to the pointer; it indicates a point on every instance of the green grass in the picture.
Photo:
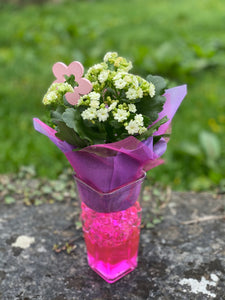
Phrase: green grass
(181, 40)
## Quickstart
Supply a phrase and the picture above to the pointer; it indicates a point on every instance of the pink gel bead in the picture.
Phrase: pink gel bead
(112, 240)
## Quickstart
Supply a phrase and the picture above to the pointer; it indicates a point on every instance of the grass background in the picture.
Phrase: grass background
(181, 40)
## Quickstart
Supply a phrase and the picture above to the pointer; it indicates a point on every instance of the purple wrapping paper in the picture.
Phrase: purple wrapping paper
(106, 167)
(120, 199)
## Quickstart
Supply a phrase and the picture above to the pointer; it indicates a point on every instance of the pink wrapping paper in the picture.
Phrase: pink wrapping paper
(106, 167)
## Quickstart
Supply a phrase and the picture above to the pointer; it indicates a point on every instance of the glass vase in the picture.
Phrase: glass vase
(111, 226)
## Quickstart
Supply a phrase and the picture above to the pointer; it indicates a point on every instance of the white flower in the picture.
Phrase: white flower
(151, 89)
(94, 104)
(129, 67)
(93, 71)
(132, 108)
(110, 55)
(117, 76)
(64, 87)
(102, 114)
(132, 127)
(55, 93)
(128, 78)
(103, 76)
(96, 67)
(89, 113)
(142, 130)
(112, 106)
(120, 83)
(80, 101)
(139, 119)
(94, 96)
(50, 97)
(121, 115)
(131, 94)
(135, 81)
(139, 93)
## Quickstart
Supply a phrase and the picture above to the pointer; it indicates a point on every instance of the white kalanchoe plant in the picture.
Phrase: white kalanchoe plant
(56, 92)
(121, 104)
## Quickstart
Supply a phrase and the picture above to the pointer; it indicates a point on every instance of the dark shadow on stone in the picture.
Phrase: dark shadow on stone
(2, 276)
(11, 240)
(77, 283)
(16, 251)
(59, 297)
(203, 269)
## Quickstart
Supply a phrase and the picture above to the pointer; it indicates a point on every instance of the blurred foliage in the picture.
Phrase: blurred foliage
(183, 41)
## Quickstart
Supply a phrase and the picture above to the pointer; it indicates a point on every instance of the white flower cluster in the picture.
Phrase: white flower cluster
(121, 115)
(113, 72)
(115, 92)
(136, 125)
(55, 93)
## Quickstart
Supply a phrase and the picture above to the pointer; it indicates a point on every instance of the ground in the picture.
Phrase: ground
(181, 252)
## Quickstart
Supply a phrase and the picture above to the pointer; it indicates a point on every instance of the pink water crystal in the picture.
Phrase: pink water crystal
(112, 241)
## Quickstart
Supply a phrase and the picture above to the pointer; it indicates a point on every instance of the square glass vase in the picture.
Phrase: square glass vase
(111, 227)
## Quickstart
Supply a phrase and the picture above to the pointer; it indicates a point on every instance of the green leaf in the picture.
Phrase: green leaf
(56, 116)
(46, 189)
(9, 200)
(58, 196)
(67, 134)
(190, 149)
(149, 225)
(78, 225)
(156, 221)
(69, 117)
(38, 202)
(115, 124)
(73, 120)
(146, 121)
(71, 80)
(64, 132)
(210, 145)
(150, 107)
(159, 83)
(152, 129)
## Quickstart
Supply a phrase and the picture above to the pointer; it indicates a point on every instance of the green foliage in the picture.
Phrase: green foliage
(181, 40)
(151, 107)
(80, 128)
(211, 147)
(159, 83)
(67, 134)
(9, 200)
(73, 120)
(152, 129)
(71, 80)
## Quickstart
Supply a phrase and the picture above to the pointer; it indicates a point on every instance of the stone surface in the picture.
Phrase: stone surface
(177, 259)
